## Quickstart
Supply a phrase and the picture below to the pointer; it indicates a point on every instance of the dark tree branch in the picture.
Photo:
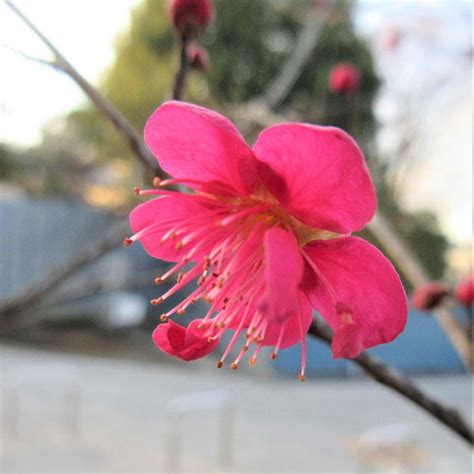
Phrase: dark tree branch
(11, 311)
(122, 125)
(182, 72)
(397, 381)
(281, 86)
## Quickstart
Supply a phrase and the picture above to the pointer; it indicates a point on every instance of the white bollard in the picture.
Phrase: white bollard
(217, 401)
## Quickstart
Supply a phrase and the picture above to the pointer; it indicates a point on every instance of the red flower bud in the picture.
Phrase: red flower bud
(464, 292)
(344, 79)
(428, 296)
(198, 58)
(190, 16)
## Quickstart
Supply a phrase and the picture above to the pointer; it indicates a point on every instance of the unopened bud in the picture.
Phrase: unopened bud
(344, 79)
(189, 17)
(464, 292)
(428, 296)
(198, 58)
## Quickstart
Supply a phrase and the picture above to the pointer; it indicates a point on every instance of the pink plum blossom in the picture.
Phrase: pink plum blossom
(266, 235)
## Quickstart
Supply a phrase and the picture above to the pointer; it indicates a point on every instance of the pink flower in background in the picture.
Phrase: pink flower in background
(266, 235)
(190, 16)
(428, 296)
(344, 79)
(464, 292)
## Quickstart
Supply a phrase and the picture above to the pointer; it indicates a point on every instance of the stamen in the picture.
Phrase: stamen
(280, 337)
(235, 336)
(303, 342)
(172, 270)
(235, 364)
(238, 215)
(169, 182)
(253, 359)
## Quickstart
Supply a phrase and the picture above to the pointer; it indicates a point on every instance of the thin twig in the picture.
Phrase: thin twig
(12, 308)
(403, 385)
(102, 286)
(182, 72)
(29, 57)
(118, 120)
(281, 86)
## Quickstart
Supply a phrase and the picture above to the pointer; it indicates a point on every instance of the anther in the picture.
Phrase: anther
(180, 311)
(156, 182)
(245, 348)
(163, 317)
(201, 326)
(301, 378)
(253, 361)
(136, 190)
(158, 281)
(180, 277)
(201, 280)
(156, 301)
(219, 364)
(273, 355)
(234, 366)
(179, 245)
(127, 242)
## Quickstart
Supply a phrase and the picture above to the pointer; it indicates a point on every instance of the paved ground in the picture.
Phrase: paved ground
(280, 425)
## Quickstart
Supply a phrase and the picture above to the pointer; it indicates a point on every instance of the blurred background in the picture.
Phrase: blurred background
(83, 388)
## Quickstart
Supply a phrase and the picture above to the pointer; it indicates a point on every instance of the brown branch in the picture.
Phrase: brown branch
(11, 310)
(397, 381)
(417, 275)
(306, 41)
(182, 72)
(122, 125)
(102, 286)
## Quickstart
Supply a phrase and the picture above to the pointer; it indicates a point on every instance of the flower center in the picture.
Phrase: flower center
(221, 249)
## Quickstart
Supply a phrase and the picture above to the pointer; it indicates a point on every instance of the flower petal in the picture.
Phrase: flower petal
(371, 306)
(194, 143)
(156, 217)
(293, 331)
(185, 343)
(283, 272)
(318, 174)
